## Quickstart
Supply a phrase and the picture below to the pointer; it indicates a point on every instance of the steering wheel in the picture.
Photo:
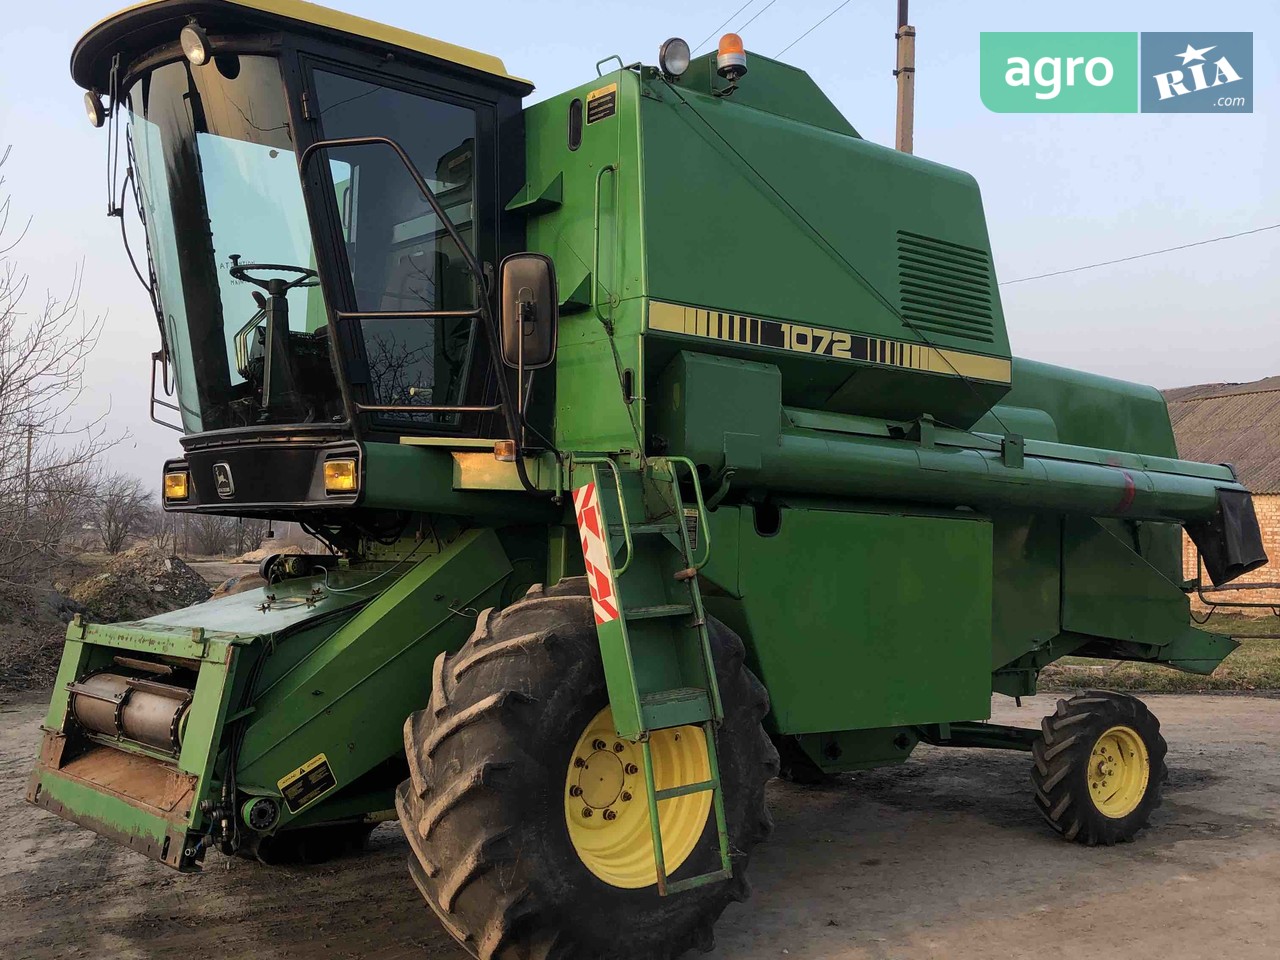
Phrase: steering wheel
(242, 271)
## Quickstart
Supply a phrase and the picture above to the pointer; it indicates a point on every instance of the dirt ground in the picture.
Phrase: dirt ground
(944, 857)
(215, 571)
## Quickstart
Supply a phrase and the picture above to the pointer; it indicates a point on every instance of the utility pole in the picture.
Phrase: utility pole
(906, 74)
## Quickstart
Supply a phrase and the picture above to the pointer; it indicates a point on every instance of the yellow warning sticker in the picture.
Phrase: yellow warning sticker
(602, 103)
(307, 784)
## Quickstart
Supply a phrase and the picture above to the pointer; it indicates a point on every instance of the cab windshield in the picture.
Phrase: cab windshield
(217, 176)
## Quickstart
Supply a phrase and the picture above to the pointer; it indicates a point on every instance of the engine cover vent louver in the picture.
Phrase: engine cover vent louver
(944, 288)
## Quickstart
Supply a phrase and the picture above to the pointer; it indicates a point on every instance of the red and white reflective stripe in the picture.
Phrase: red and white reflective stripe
(595, 553)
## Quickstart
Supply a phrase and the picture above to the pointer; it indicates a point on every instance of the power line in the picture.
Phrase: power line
(813, 28)
(731, 16)
(1139, 256)
(757, 14)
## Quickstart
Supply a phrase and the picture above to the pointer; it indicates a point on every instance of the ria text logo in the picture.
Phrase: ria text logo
(1117, 72)
(1197, 73)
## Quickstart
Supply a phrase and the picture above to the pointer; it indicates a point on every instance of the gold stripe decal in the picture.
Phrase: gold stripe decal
(824, 342)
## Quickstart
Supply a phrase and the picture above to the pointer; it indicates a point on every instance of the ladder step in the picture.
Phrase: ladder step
(674, 708)
(688, 884)
(685, 789)
(679, 695)
(660, 610)
(615, 529)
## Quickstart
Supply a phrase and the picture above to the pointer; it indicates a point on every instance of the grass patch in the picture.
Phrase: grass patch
(1252, 668)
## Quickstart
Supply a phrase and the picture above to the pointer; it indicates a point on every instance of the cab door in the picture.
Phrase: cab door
(391, 259)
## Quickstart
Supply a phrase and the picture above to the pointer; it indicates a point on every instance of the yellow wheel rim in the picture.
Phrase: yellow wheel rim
(605, 806)
(1119, 769)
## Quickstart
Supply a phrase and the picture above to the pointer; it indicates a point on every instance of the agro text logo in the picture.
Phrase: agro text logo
(1060, 72)
(1099, 72)
(1197, 73)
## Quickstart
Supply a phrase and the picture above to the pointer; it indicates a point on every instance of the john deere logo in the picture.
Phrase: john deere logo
(226, 486)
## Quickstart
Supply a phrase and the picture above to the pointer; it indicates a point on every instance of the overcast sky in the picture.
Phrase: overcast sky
(1060, 191)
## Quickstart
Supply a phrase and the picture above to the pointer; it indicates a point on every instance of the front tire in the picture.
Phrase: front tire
(485, 808)
(1099, 767)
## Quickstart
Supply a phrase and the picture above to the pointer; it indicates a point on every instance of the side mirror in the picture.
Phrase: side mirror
(530, 307)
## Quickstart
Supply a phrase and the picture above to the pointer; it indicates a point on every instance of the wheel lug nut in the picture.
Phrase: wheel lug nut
(579, 762)
(618, 748)
(632, 769)
(626, 797)
(610, 815)
(587, 812)
(598, 744)
(575, 791)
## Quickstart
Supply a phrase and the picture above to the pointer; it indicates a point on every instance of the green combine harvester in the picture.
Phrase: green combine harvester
(660, 431)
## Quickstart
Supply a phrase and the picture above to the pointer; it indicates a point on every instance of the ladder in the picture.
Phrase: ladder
(643, 548)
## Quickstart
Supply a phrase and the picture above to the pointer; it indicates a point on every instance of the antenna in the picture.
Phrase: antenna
(906, 74)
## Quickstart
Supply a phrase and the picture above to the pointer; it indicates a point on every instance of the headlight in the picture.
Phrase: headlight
(175, 486)
(340, 476)
(673, 57)
(195, 44)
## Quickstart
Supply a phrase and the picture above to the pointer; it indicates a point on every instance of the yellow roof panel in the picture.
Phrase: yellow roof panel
(316, 15)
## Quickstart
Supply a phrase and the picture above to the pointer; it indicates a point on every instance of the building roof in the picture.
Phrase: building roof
(1235, 423)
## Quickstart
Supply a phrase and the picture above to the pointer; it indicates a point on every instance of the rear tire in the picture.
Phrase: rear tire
(484, 809)
(1099, 767)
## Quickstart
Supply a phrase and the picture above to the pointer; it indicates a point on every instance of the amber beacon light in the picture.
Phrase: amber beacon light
(731, 57)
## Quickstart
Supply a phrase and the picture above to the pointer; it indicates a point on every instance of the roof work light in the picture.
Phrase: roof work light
(673, 57)
(93, 107)
(195, 44)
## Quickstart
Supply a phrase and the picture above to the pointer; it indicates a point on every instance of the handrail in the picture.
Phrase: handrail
(424, 408)
(622, 509)
(1230, 604)
(408, 314)
(703, 521)
(595, 244)
(158, 357)
(241, 341)
(601, 63)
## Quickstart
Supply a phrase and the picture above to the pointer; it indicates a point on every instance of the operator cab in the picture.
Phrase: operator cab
(323, 204)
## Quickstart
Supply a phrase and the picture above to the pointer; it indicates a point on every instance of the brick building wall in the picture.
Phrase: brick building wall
(1268, 509)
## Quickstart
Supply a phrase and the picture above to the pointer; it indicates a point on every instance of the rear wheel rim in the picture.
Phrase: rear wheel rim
(605, 806)
(1119, 771)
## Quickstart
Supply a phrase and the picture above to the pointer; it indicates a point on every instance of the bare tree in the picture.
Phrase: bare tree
(44, 448)
(213, 535)
(121, 510)
(250, 533)
(165, 529)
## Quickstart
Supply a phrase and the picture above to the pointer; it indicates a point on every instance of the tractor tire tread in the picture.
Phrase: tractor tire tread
(471, 857)
(1060, 761)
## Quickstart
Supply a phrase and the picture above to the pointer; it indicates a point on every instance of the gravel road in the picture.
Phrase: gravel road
(942, 857)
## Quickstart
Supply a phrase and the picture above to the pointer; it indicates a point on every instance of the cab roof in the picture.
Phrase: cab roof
(145, 25)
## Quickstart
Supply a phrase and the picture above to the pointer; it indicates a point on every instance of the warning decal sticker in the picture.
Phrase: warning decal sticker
(595, 553)
(308, 783)
(602, 103)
